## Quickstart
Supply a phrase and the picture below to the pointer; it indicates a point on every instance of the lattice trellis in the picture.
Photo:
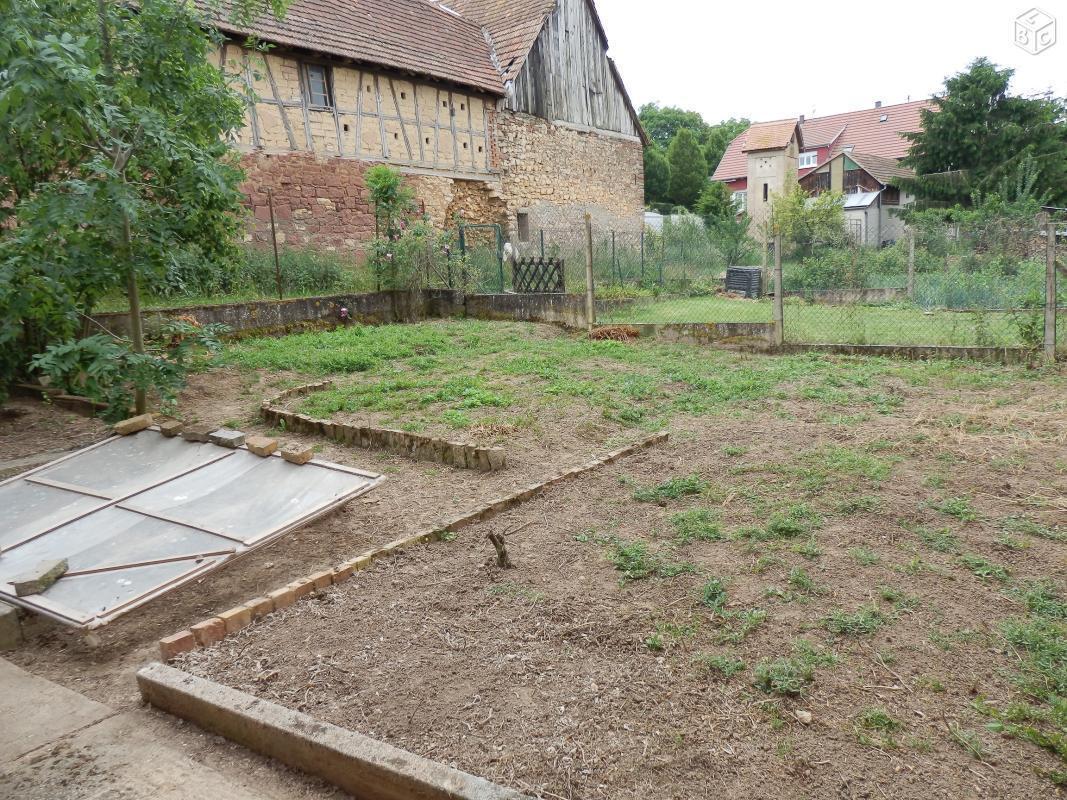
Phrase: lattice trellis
(538, 276)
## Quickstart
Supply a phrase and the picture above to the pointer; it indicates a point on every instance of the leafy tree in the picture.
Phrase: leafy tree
(657, 176)
(716, 201)
(978, 134)
(806, 223)
(689, 170)
(662, 123)
(730, 235)
(117, 169)
(719, 138)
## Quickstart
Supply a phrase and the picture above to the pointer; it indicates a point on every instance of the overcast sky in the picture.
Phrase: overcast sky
(766, 60)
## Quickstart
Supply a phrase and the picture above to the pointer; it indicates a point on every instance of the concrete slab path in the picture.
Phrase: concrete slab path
(56, 744)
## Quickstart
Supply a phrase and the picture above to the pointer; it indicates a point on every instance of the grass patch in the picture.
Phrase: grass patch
(941, 540)
(792, 675)
(725, 665)
(1016, 524)
(984, 568)
(636, 562)
(672, 489)
(863, 504)
(739, 624)
(958, 507)
(713, 594)
(864, 556)
(696, 524)
(862, 622)
(801, 580)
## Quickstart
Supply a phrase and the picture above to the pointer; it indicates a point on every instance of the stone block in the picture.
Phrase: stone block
(236, 618)
(296, 454)
(458, 456)
(198, 433)
(227, 437)
(209, 632)
(133, 424)
(38, 578)
(360, 563)
(171, 428)
(260, 606)
(261, 445)
(281, 598)
(342, 572)
(302, 587)
(322, 580)
(497, 458)
(10, 627)
(176, 644)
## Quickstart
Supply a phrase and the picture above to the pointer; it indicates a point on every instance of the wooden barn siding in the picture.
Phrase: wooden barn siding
(566, 77)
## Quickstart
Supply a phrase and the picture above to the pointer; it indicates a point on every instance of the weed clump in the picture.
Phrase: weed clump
(672, 489)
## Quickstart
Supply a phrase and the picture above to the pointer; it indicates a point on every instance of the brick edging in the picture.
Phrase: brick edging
(215, 629)
(412, 445)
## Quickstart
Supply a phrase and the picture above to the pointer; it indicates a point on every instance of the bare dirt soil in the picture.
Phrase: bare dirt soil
(598, 669)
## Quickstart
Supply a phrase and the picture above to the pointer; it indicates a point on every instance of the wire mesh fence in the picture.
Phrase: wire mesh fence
(976, 285)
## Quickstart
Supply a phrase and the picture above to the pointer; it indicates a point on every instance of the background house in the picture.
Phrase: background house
(497, 111)
(770, 157)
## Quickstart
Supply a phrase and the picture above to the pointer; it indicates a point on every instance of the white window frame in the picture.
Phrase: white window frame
(740, 198)
(808, 160)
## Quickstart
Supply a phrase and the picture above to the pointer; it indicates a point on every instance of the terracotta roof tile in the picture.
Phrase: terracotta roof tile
(863, 130)
(513, 26)
(410, 35)
(769, 135)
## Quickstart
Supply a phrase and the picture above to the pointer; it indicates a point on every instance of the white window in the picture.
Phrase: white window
(809, 160)
(740, 200)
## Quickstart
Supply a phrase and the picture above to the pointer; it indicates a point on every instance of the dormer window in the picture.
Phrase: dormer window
(808, 160)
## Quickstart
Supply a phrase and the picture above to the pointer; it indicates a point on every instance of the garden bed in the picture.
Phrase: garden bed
(828, 588)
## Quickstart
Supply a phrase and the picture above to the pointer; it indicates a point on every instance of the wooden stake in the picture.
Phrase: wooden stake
(502, 559)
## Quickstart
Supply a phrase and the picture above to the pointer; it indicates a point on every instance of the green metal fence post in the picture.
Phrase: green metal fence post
(542, 244)
(662, 253)
(614, 264)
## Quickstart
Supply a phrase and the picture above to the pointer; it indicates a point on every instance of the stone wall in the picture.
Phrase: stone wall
(555, 174)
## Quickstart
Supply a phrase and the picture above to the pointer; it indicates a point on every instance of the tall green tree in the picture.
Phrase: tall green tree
(116, 169)
(689, 170)
(719, 138)
(657, 176)
(978, 134)
(661, 123)
(716, 202)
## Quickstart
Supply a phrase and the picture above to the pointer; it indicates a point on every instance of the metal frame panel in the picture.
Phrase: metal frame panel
(230, 546)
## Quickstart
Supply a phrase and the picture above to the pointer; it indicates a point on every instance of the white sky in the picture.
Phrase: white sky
(769, 60)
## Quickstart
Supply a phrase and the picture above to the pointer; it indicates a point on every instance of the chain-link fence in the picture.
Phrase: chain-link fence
(977, 284)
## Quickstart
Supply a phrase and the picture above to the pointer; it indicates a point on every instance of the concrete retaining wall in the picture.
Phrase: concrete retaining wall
(841, 297)
(999, 355)
(753, 335)
(365, 768)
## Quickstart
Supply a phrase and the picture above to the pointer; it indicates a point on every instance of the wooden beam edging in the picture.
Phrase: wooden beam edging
(412, 445)
(366, 768)
(215, 629)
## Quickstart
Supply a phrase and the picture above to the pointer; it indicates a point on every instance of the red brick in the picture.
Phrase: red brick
(173, 646)
(281, 598)
(209, 631)
(236, 618)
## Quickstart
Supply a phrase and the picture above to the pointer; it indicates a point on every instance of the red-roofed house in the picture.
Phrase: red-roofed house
(853, 152)
(497, 111)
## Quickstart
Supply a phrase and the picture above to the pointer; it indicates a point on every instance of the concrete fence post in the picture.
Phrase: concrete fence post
(590, 304)
(1050, 291)
(779, 294)
(911, 264)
